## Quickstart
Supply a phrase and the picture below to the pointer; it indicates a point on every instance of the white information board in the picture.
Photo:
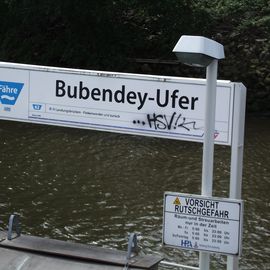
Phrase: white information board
(159, 106)
(202, 223)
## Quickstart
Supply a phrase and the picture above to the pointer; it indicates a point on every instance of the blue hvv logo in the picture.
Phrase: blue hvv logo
(37, 107)
(9, 92)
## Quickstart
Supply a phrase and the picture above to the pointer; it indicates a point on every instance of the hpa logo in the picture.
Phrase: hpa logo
(9, 92)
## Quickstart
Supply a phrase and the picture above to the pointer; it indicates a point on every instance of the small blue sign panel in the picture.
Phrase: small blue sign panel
(9, 92)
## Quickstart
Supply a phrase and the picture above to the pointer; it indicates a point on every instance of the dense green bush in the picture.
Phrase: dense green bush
(110, 34)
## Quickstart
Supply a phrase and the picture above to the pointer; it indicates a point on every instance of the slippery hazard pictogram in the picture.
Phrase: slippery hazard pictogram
(177, 201)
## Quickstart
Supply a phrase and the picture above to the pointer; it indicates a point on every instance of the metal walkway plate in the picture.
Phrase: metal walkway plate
(74, 251)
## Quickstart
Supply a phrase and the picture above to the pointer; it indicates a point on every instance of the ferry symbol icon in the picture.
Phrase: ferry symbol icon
(9, 92)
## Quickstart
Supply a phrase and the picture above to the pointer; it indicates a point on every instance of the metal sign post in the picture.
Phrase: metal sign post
(208, 144)
(203, 52)
(237, 149)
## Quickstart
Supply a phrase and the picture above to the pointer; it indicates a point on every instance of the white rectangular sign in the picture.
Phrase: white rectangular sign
(148, 105)
(202, 223)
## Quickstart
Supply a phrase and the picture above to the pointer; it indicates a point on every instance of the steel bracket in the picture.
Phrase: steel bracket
(13, 224)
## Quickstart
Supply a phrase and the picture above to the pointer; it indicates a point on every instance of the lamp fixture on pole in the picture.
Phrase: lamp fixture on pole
(203, 52)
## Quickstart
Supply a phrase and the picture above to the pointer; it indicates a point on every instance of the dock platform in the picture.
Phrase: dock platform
(26, 252)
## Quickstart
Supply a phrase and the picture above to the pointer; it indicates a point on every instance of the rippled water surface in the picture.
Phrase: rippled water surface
(92, 187)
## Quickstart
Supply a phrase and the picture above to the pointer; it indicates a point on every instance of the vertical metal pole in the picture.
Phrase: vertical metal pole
(237, 150)
(208, 144)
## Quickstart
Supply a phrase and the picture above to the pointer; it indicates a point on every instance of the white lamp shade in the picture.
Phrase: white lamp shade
(198, 51)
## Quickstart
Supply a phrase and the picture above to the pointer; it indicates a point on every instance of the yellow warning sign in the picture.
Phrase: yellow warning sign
(177, 201)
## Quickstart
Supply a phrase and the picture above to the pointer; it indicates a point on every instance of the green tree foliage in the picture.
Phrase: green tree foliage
(106, 35)
(100, 34)
(243, 27)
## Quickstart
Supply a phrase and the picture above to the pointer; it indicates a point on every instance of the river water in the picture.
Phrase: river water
(93, 187)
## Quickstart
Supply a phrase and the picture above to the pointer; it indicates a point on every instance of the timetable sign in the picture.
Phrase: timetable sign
(202, 223)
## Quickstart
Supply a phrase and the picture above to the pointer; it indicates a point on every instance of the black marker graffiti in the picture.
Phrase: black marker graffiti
(164, 122)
